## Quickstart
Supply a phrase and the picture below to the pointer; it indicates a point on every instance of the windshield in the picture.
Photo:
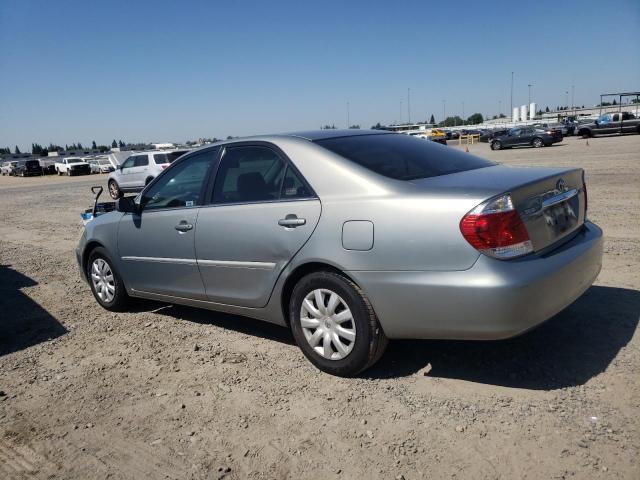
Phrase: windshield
(169, 157)
(104, 162)
(74, 160)
(401, 156)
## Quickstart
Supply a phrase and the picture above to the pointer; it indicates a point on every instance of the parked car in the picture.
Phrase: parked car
(139, 170)
(8, 168)
(561, 127)
(526, 136)
(48, 166)
(610, 123)
(489, 135)
(73, 166)
(28, 168)
(100, 165)
(350, 238)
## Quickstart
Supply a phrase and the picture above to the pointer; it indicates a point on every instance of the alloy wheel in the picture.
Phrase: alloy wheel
(327, 324)
(102, 279)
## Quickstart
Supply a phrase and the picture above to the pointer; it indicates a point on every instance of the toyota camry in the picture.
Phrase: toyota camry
(350, 238)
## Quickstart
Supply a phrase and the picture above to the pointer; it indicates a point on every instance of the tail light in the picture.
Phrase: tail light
(495, 228)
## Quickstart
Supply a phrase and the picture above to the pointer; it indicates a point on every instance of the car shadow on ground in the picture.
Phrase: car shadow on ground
(24, 323)
(568, 350)
(237, 323)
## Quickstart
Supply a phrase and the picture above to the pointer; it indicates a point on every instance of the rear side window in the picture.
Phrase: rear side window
(249, 174)
(401, 156)
(161, 158)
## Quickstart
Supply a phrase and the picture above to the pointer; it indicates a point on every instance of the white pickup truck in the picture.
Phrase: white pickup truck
(73, 166)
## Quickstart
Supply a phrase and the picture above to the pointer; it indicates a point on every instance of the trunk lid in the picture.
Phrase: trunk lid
(550, 201)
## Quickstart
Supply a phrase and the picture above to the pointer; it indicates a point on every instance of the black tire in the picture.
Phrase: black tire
(496, 145)
(585, 133)
(114, 190)
(370, 341)
(120, 300)
(537, 142)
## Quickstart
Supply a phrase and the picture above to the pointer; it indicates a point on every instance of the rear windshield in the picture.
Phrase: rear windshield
(161, 158)
(401, 156)
(74, 160)
(31, 163)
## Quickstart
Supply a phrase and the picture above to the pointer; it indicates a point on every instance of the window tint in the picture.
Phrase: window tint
(248, 174)
(616, 117)
(181, 185)
(293, 186)
(169, 157)
(141, 161)
(402, 157)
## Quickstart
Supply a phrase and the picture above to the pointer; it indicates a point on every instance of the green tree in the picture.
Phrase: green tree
(114, 144)
(377, 126)
(451, 121)
(93, 145)
(17, 150)
(355, 127)
(432, 120)
(546, 109)
(475, 119)
(121, 144)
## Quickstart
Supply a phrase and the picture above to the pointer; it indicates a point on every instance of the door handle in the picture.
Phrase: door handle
(183, 226)
(291, 221)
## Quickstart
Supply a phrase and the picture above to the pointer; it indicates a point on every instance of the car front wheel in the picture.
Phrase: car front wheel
(537, 143)
(105, 282)
(334, 324)
(496, 145)
(114, 190)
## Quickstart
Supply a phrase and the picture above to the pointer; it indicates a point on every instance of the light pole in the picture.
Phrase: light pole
(530, 85)
(348, 120)
(463, 112)
(499, 108)
(566, 98)
(444, 112)
(512, 119)
(409, 104)
(401, 112)
(572, 103)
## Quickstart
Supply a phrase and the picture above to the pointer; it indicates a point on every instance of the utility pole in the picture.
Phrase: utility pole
(567, 98)
(409, 104)
(499, 108)
(529, 94)
(463, 112)
(512, 119)
(400, 111)
(444, 111)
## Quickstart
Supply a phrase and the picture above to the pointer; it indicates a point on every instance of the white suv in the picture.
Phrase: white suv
(138, 170)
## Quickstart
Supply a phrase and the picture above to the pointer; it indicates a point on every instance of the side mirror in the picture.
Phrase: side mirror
(127, 205)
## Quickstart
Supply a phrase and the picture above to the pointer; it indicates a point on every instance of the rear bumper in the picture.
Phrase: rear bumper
(492, 300)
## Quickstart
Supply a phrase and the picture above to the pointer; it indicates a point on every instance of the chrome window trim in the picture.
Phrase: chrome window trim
(178, 261)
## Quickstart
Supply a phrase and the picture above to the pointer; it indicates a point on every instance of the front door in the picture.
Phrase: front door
(139, 171)
(156, 246)
(262, 212)
(126, 170)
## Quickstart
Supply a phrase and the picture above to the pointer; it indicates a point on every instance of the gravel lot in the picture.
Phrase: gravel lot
(174, 392)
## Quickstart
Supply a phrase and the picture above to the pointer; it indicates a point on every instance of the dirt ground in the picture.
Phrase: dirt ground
(175, 392)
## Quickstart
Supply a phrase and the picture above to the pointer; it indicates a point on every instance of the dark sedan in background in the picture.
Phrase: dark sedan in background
(526, 136)
(28, 168)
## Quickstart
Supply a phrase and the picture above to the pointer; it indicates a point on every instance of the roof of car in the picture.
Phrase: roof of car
(331, 133)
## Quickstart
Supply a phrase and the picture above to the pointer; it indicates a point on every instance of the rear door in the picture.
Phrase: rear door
(261, 213)
(156, 246)
(139, 170)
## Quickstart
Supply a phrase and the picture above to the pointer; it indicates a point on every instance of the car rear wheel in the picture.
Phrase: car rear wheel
(496, 145)
(114, 190)
(105, 282)
(537, 143)
(334, 324)
(585, 134)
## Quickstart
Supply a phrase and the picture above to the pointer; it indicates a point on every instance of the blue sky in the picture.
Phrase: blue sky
(177, 70)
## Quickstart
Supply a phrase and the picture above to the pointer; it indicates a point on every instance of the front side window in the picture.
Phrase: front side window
(128, 163)
(181, 185)
(248, 174)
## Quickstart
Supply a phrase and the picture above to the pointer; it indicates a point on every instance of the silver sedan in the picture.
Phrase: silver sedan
(349, 239)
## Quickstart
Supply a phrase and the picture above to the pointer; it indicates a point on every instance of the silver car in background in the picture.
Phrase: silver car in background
(350, 238)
